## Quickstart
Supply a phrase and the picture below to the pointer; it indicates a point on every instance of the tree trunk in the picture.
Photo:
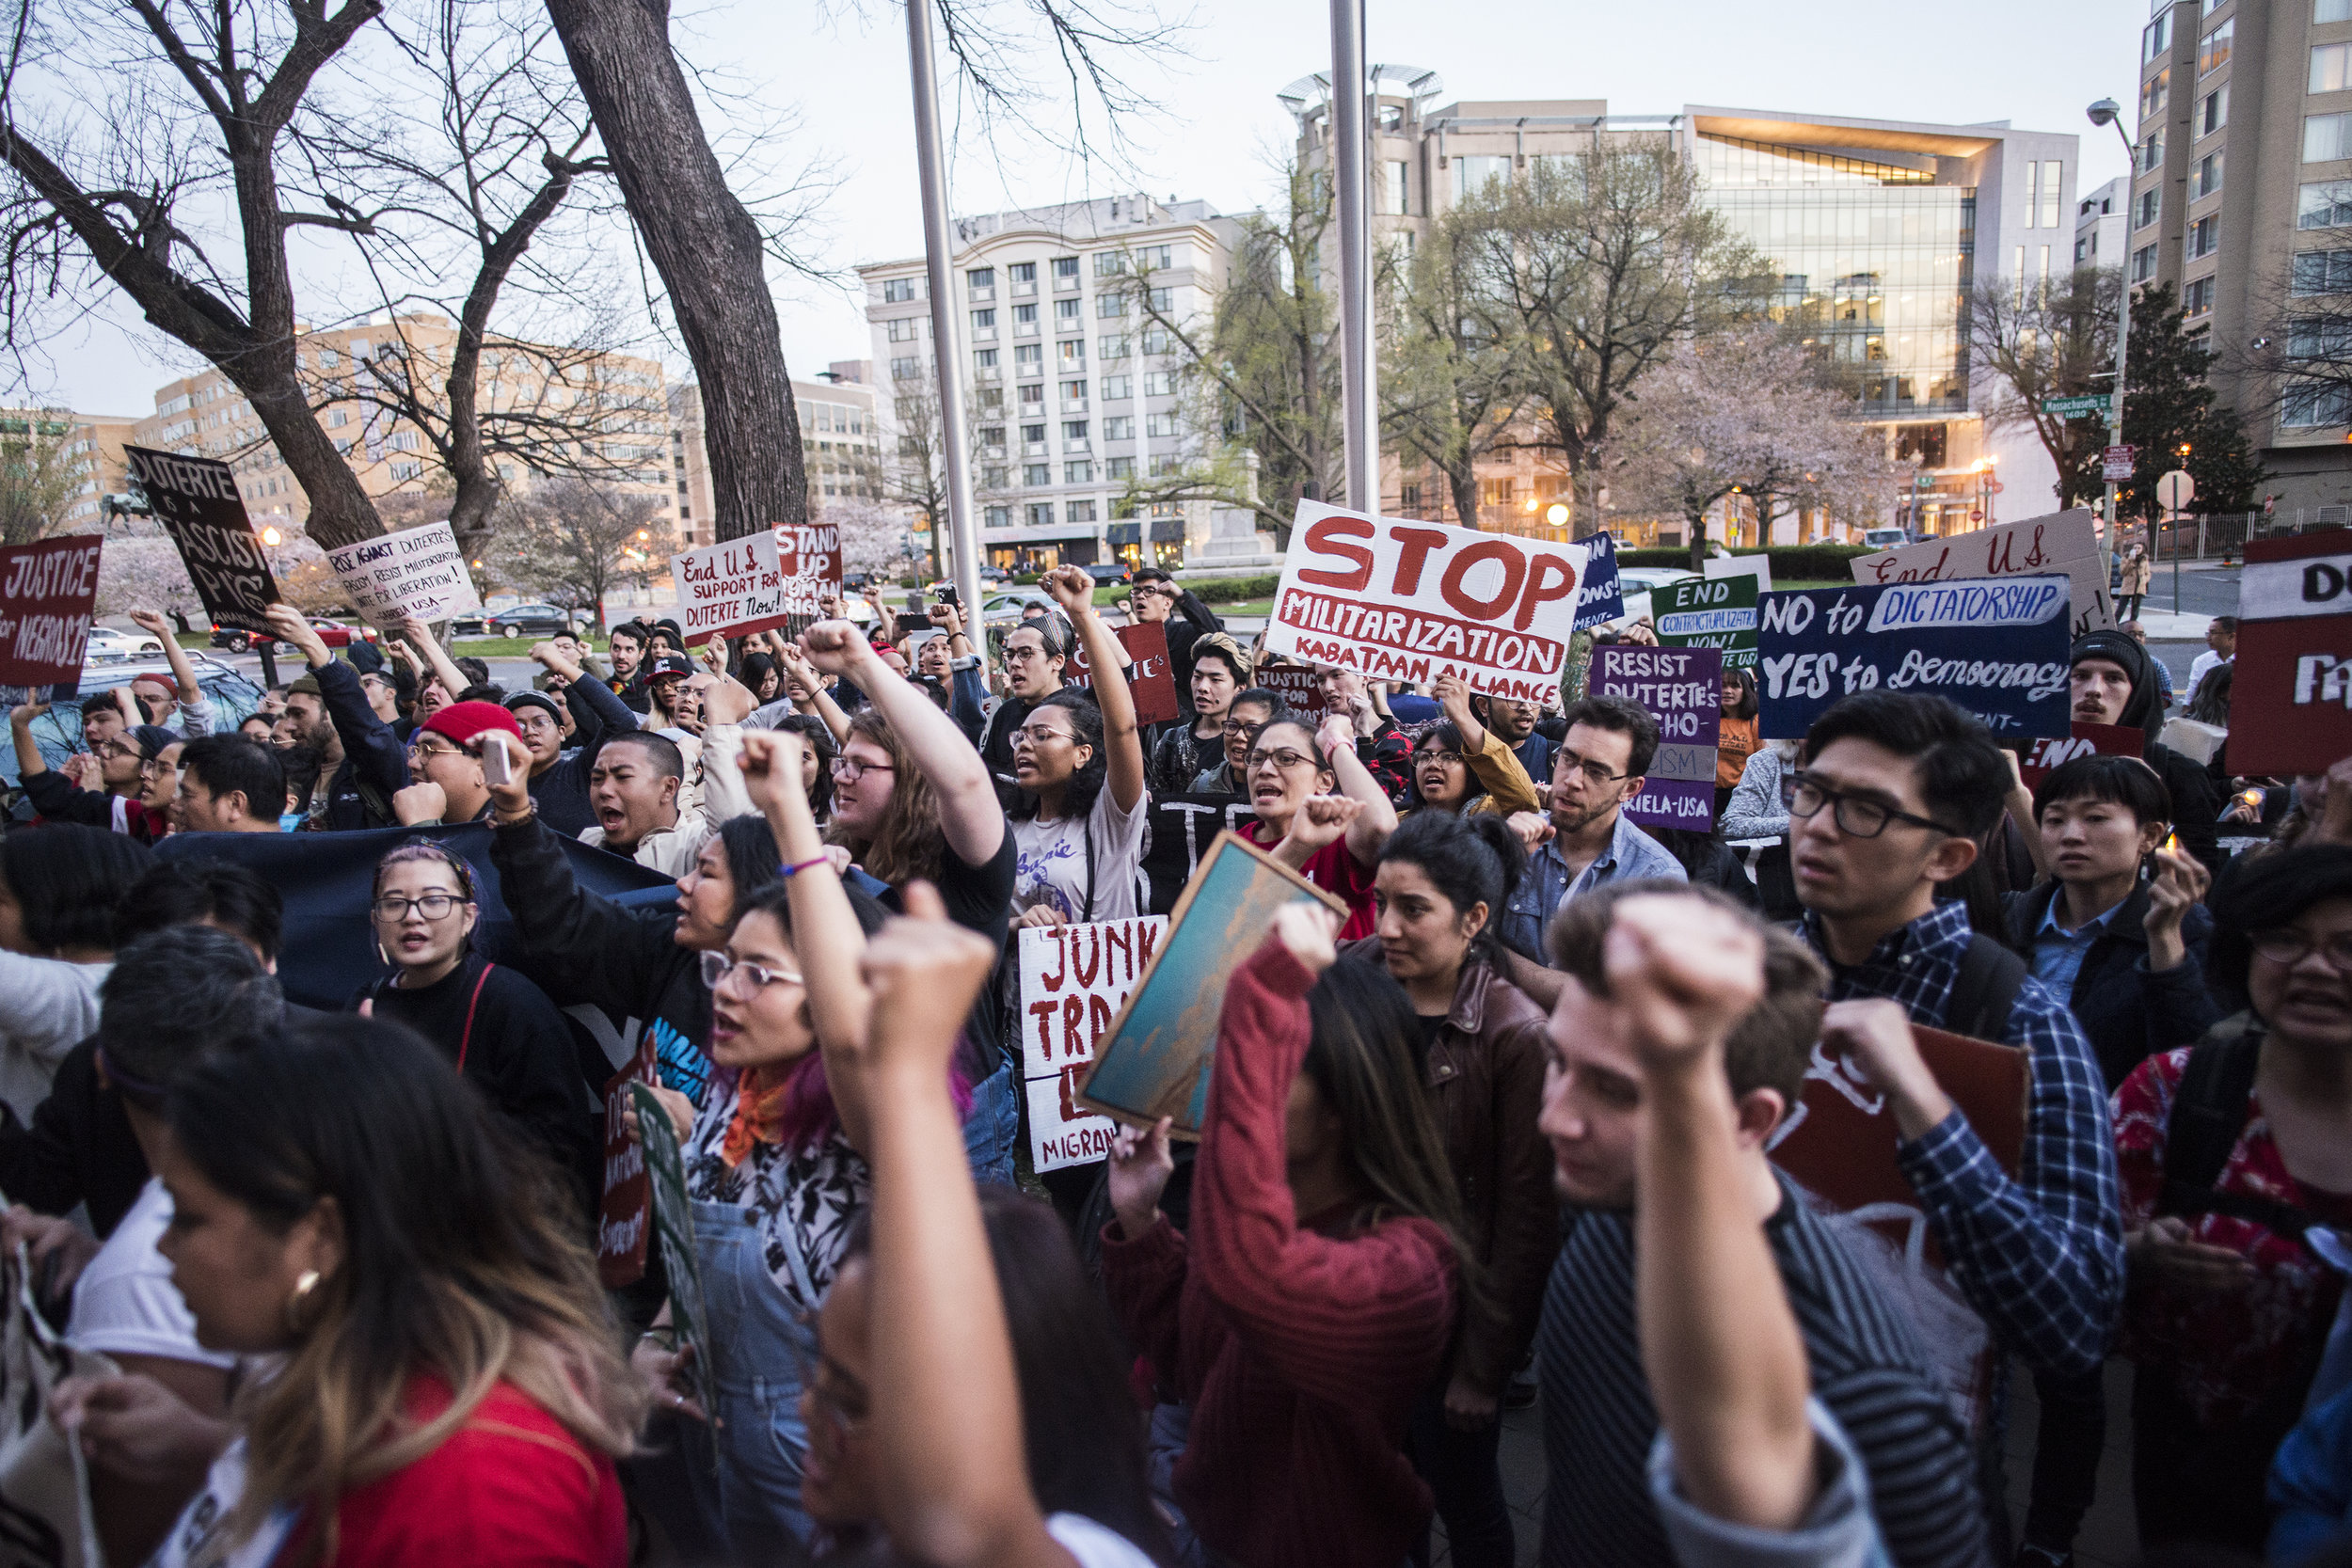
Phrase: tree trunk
(705, 245)
(1463, 480)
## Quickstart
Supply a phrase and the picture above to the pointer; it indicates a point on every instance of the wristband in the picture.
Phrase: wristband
(787, 872)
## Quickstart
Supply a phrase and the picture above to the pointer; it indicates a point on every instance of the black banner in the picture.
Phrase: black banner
(196, 500)
(326, 879)
(1182, 829)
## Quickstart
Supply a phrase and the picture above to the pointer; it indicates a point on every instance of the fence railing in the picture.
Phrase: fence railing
(2216, 536)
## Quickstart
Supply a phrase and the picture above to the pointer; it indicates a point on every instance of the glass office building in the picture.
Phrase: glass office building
(1874, 260)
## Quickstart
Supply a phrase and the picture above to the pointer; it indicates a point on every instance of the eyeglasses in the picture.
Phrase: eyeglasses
(848, 768)
(1857, 816)
(1036, 737)
(419, 749)
(2286, 945)
(433, 906)
(114, 751)
(1595, 774)
(1234, 726)
(1023, 652)
(718, 966)
(1281, 761)
(157, 767)
(1451, 759)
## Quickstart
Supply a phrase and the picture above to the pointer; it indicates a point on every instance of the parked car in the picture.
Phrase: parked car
(59, 731)
(1005, 608)
(1105, 573)
(335, 634)
(106, 645)
(1886, 538)
(1637, 583)
(533, 620)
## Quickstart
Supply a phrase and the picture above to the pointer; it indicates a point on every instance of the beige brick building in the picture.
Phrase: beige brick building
(840, 446)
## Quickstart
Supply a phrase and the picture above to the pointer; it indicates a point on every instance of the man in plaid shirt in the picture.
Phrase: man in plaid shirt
(1894, 792)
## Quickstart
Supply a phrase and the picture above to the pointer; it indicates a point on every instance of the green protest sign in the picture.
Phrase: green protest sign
(673, 1228)
(1710, 613)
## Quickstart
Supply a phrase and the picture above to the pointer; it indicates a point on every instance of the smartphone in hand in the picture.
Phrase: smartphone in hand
(498, 762)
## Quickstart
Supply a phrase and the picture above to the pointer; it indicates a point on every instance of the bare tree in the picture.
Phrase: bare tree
(1452, 374)
(575, 541)
(41, 473)
(2030, 342)
(914, 473)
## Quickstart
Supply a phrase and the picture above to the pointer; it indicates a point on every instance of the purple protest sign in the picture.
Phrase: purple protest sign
(1682, 689)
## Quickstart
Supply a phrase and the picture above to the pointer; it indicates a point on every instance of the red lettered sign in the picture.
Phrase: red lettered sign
(46, 594)
(2291, 700)
(625, 1218)
(2035, 761)
(1150, 678)
(1396, 599)
(1073, 981)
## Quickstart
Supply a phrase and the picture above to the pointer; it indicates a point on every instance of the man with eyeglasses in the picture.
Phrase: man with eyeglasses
(1893, 793)
(361, 763)
(1587, 840)
(1035, 652)
(1159, 597)
(145, 755)
(445, 757)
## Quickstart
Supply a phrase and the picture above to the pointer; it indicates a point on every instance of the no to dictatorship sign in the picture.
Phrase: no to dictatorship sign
(1682, 689)
(2064, 542)
(1073, 981)
(418, 571)
(1400, 600)
(2290, 706)
(46, 593)
(196, 500)
(730, 589)
(1995, 646)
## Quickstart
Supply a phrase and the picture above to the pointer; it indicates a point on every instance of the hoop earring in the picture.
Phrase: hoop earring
(305, 1282)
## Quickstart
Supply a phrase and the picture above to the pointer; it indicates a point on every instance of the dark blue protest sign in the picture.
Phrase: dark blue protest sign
(1601, 600)
(1995, 646)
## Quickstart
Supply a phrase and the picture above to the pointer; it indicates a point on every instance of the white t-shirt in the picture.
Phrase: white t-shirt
(1094, 1546)
(1050, 861)
(125, 1303)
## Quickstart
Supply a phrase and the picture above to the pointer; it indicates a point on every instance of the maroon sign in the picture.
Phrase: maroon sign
(625, 1219)
(1300, 685)
(1150, 678)
(2035, 761)
(46, 594)
(2291, 701)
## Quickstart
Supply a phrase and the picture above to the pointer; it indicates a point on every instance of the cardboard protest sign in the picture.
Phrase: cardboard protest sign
(1401, 601)
(1995, 646)
(624, 1215)
(730, 589)
(1682, 689)
(1601, 600)
(2063, 542)
(1181, 829)
(1300, 686)
(1151, 675)
(1073, 981)
(44, 1477)
(196, 500)
(47, 592)
(2035, 761)
(1710, 613)
(1839, 1142)
(418, 571)
(2291, 700)
(809, 556)
(1154, 1061)
(1758, 567)
(674, 1223)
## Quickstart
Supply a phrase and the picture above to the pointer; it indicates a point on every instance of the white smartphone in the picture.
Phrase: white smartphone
(497, 763)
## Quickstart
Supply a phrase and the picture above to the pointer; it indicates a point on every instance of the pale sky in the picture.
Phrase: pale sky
(2030, 62)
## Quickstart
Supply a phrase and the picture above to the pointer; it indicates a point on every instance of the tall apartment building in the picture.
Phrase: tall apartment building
(840, 446)
(2259, 91)
(1878, 228)
(93, 443)
(2102, 225)
(614, 403)
(1069, 394)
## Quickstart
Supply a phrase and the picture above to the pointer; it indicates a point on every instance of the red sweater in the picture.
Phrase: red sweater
(509, 1488)
(1300, 1353)
(1335, 869)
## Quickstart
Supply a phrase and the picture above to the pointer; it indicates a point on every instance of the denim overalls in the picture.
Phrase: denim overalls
(760, 1348)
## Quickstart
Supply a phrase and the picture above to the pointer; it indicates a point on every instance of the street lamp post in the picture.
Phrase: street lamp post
(2108, 112)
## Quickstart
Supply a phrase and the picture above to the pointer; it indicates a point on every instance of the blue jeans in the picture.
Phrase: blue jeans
(994, 1125)
(758, 1346)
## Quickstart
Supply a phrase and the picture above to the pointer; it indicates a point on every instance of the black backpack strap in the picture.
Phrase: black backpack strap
(1985, 990)
(2209, 1111)
(1087, 830)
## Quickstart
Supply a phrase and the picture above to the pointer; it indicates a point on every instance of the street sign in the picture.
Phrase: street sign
(1975, 516)
(2076, 407)
(2120, 463)
(2175, 490)
(1923, 482)
(1994, 487)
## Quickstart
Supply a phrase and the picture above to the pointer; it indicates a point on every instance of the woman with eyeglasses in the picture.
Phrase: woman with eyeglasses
(775, 1170)
(495, 1026)
(1460, 765)
(2226, 1153)
(1320, 811)
(139, 765)
(1249, 712)
(1078, 820)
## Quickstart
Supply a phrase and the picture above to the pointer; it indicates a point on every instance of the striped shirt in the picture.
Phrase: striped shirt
(1867, 1365)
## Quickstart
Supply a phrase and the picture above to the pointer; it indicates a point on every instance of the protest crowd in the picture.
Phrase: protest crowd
(645, 1115)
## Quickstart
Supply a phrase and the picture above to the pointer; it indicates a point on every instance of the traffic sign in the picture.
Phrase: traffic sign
(2120, 463)
(2076, 407)
(1993, 487)
(1923, 482)
(1975, 516)
(2175, 490)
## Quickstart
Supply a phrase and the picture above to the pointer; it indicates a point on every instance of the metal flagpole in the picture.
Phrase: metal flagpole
(948, 368)
(1361, 408)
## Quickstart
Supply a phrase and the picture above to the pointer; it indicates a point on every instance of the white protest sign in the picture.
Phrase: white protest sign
(1073, 981)
(1757, 566)
(729, 588)
(2064, 542)
(418, 571)
(1396, 599)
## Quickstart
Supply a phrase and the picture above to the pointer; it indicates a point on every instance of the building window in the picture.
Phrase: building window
(1119, 469)
(2153, 93)
(2214, 52)
(2053, 177)
(1159, 427)
(407, 471)
(1114, 345)
(906, 329)
(1109, 264)
(2150, 207)
(1073, 354)
(1022, 271)
(1394, 194)
(2323, 272)
(991, 478)
(1159, 383)
(2331, 67)
(1495, 492)
(1080, 512)
(2143, 263)
(1471, 175)
(2327, 205)
(2213, 113)
(1073, 430)
(982, 358)
(997, 517)
(1066, 311)
(2155, 37)
(2327, 137)
(897, 290)
(2331, 10)
(1117, 388)
(1036, 474)
(1025, 354)
(2204, 236)
(905, 369)
(2152, 152)
(981, 282)
(1074, 394)
(1041, 513)
(991, 435)
(1156, 257)
(1024, 315)
(1080, 472)
(2208, 178)
(984, 321)
(1120, 427)
(2314, 404)
(2196, 299)
(1065, 266)
(1110, 305)
(2033, 189)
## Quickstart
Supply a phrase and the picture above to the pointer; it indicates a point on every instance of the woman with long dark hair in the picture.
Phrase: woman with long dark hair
(1320, 811)
(1461, 766)
(1078, 820)
(1313, 1299)
(447, 1383)
(1443, 879)
(1737, 740)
